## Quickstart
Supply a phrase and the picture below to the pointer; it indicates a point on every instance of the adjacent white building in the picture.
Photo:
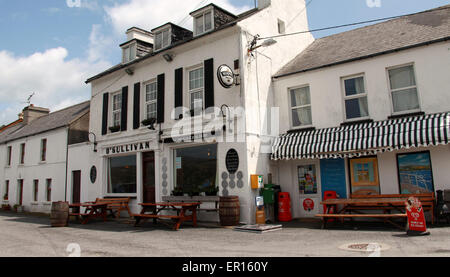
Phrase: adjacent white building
(366, 111)
(34, 153)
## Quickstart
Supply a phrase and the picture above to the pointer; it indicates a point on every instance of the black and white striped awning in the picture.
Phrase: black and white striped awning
(364, 139)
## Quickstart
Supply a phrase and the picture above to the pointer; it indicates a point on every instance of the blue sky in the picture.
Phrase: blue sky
(51, 48)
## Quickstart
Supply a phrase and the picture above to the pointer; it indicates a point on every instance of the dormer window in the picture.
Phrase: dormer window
(203, 23)
(129, 53)
(162, 39)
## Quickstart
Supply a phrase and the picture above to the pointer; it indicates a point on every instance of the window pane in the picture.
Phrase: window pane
(196, 79)
(132, 53)
(122, 175)
(405, 100)
(402, 77)
(158, 41)
(165, 38)
(354, 86)
(151, 110)
(151, 92)
(199, 24)
(301, 116)
(196, 166)
(356, 108)
(197, 102)
(116, 119)
(117, 102)
(208, 21)
(300, 97)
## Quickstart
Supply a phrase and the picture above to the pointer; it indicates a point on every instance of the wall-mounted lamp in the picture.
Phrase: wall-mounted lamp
(129, 71)
(168, 57)
(266, 43)
(94, 142)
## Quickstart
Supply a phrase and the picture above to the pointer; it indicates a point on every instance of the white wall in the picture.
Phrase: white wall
(431, 65)
(33, 169)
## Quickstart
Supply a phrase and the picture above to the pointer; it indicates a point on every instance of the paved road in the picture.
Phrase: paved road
(31, 235)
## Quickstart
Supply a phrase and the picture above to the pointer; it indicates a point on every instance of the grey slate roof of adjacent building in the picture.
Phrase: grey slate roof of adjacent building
(394, 35)
(45, 123)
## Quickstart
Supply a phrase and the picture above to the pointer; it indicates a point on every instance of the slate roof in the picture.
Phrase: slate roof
(52, 121)
(117, 67)
(406, 32)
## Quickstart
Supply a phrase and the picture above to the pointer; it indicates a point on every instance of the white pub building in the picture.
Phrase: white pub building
(181, 101)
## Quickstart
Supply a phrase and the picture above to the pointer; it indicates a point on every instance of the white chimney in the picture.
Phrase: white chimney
(137, 33)
(31, 113)
(263, 4)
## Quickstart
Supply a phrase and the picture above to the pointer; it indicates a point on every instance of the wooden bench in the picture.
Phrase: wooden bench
(116, 205)
(201, 199)
(428, 201)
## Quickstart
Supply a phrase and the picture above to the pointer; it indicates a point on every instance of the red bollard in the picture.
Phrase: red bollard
(284, 207)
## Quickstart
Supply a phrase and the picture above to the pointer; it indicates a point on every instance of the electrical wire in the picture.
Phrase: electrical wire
(350, 24)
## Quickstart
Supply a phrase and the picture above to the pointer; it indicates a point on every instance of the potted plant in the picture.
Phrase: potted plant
(195, 191)
(18, 208)
(148, 121)
(178, 191)
(114, 129)
(211, 191)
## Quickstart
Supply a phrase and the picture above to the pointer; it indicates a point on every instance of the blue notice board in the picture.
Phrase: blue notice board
(332, 173)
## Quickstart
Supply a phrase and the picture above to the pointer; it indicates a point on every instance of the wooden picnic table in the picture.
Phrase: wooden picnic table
(153, 211)
(92, 210)
(353, 208)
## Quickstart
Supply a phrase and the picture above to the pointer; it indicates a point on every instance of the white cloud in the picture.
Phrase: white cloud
(56, 81)
(150, 14)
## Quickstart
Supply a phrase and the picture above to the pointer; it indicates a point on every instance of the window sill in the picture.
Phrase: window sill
(302, 129)
(356, 122)
(34, 203)
(407, 114)
(42, 162)
(47, 203)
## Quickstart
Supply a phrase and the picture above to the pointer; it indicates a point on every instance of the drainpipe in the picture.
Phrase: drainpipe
(67, 164)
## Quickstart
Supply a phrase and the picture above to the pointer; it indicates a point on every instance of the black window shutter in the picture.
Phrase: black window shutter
(124, 110)
(209, 83)
(178, 91)
(161, 85)
(105, 113)
(137, 106)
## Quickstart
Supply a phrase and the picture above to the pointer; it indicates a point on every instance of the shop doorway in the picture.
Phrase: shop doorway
(76, 187)
(20, 192)
(149, 194)
(308, 188)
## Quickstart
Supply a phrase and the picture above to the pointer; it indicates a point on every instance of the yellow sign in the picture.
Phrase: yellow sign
(256, 181)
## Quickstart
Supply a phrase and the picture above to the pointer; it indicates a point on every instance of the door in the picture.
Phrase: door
(308, 188)
(76, 187)
(149, 177)
(20, 192)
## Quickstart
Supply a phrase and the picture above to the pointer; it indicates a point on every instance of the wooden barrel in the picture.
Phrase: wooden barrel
(59, 216)
(229, 210)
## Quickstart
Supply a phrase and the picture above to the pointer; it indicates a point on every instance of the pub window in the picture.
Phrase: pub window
(43, 150)
(35, 190)
(403, 89)
(301, 106)
(195, 167)
(116, 109)
(8, 156)
(364, 176)
(196, 90)
(151, 98)
(415, 173)
(203, 23)
(129, 53)
(355, 98)
(6, 192)
(48, 190)
(162, 39)
(122, 175)
(22, 153)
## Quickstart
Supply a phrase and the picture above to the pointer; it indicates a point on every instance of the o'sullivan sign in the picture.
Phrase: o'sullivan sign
(133, 147)
(416, 218)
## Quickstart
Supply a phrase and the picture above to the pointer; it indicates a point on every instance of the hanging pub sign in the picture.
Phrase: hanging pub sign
(232, 161)
(226, 76)
(132, 147)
